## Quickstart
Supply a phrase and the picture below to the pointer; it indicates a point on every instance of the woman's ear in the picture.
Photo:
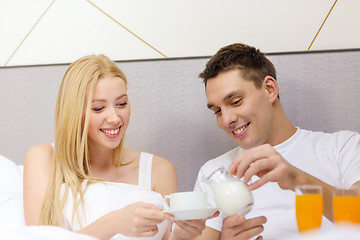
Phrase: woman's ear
(271, 87)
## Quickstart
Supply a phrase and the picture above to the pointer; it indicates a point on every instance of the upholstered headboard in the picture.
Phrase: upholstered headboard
(319, 91)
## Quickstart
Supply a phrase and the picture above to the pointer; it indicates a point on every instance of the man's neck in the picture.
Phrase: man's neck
(282, 129)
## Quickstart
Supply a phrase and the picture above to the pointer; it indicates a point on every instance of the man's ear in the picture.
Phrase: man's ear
(271, 87)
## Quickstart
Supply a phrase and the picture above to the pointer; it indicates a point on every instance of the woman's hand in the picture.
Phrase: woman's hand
(187, 229)
(140, 219)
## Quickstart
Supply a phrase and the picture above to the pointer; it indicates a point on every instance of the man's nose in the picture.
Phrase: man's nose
(228, 117)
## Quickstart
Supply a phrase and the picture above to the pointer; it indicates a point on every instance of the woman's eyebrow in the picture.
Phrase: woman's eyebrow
(103, 100)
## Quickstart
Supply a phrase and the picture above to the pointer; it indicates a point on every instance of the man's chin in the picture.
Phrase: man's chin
(245, 145)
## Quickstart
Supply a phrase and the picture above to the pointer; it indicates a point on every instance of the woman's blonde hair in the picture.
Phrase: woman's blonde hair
(71, 154)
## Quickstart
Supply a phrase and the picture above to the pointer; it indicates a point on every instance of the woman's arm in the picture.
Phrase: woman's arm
(37, 171)
(164, 182)
(163, 176)
(138, 219)
(135, 220)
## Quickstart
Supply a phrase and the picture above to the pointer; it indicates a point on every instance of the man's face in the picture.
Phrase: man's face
(242, 110)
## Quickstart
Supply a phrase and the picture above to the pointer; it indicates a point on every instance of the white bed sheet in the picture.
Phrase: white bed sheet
(39, 233)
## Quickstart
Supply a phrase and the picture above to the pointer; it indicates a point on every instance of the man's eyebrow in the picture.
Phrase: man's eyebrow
(231, 94)
(228, 96)
(210, 105)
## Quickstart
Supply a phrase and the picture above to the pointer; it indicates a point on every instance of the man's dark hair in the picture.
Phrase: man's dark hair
(251, 62)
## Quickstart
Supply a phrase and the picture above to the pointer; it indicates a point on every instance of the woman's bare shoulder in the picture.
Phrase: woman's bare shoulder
(164, 179)
(41, 154)
(37, 171)
(162, 165)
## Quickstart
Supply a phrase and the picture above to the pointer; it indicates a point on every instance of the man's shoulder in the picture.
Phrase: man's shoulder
(223, 160)
(342, 135)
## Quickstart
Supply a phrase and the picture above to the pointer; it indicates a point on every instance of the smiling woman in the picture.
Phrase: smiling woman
(87, 181)
(110, 113)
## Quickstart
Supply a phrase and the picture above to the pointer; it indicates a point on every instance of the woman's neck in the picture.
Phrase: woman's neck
(101, 157)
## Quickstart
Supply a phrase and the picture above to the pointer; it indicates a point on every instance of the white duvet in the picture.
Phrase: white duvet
(12, 223)
(8, 232)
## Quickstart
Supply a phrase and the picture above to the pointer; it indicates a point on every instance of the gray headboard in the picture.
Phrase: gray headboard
(319, 91)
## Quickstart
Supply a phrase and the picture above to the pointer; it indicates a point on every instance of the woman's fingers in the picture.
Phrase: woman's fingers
(190, 228)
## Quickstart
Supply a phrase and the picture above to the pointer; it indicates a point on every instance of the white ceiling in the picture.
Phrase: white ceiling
(60, 31)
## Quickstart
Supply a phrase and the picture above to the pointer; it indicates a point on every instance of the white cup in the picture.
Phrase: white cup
(186, 200)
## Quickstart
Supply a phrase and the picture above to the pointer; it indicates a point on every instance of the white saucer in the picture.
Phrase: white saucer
(189, 214)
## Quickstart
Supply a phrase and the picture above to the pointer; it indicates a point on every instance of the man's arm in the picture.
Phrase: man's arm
(266, 163)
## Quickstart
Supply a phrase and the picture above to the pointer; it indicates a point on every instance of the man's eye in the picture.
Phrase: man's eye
(217, 112)
(237, 102)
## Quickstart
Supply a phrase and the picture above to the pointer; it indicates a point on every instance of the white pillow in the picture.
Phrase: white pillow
(11, 197)
(10, 179)
(12, 213)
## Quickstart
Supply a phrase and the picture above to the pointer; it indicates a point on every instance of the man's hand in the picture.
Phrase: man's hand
(266, 163)
(239, 228)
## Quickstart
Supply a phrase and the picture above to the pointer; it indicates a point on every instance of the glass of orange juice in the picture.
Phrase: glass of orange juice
(346, 205)
(309, 207)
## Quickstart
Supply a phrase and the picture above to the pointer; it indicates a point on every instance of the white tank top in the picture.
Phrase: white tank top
(102, 198)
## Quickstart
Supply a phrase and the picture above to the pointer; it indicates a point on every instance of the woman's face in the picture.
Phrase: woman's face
(110, 113)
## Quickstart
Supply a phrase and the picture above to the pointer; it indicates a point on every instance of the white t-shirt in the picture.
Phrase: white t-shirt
(332, 158)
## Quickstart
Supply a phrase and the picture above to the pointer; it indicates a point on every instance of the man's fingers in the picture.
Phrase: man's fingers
(240, 164)
(249, 233)
(217, 213)
(251, 227)
(233, 221)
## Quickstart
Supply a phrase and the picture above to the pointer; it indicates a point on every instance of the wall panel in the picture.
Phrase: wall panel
(319, 91)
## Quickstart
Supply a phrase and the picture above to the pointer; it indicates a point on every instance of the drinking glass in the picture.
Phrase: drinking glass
(309, 207)
(346, 205)
(232, 196)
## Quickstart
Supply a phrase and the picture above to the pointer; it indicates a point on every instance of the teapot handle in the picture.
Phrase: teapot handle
(167, 201)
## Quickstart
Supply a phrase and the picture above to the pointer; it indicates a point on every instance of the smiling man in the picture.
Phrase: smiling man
(273, 155)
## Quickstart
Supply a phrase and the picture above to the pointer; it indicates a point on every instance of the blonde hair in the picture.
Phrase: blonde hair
(71, 154)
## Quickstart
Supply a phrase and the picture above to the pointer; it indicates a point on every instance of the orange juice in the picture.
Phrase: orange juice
(346, 209)
(309, 210)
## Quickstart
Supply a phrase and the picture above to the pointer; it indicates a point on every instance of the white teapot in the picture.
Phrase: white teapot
(232, 196)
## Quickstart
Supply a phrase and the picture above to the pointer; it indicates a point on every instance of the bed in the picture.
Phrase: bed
(12, 223)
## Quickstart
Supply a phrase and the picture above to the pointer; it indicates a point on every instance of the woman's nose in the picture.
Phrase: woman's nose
(113, 117)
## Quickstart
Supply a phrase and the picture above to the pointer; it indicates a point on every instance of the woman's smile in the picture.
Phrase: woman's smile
(111, 132)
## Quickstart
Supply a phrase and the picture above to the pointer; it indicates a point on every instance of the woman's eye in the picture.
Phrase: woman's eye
(217, 112)
(123, 104)
(97, 109)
